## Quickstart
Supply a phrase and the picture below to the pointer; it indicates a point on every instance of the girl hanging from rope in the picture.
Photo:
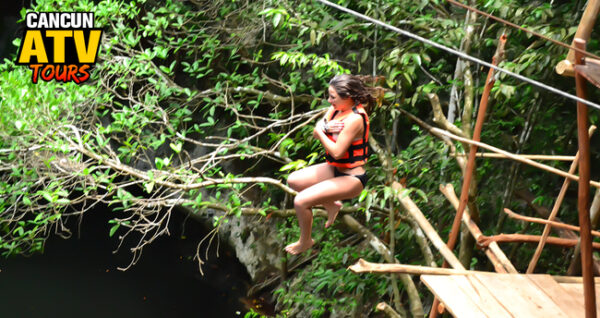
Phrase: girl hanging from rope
(343, 132)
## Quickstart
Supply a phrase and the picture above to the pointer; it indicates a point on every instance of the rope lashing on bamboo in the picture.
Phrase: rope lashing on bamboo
(461, 54)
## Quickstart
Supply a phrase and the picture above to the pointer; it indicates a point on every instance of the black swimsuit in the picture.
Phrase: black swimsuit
(361, 177)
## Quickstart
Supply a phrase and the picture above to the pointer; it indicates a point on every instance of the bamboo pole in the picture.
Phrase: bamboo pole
(532, 157)
(514, 156)
(512, 238)
(555, 208)
(547, 222)
(362, 266)
(587, 263)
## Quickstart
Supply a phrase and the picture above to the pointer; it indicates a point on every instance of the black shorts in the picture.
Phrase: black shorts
(361, 177)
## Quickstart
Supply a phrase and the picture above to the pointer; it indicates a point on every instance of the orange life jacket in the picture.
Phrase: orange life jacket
(356, 155)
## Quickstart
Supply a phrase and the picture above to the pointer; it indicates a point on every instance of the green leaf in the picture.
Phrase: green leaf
(38, 217)
(113, 229)
(176, 147)
(149, 186)
(363, 195)
(276, 19)
(48, 197)
(294, 165)
(63, 201)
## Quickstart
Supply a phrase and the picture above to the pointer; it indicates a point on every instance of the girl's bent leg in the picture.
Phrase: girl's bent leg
(304, 178)
(332, 211)
(326, 192)
(305, 242)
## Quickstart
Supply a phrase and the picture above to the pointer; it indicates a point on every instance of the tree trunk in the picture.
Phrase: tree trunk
(465, 46)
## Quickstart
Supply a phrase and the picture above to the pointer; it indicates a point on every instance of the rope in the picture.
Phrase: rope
(461, 54)
(523, 29)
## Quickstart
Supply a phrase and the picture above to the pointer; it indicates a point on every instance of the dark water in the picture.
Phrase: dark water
(78, 277)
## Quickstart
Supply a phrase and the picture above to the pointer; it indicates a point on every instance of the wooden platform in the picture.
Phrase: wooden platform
(508, 295)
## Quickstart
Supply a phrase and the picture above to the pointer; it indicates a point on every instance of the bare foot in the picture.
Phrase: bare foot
(332, 212)
(297, 248)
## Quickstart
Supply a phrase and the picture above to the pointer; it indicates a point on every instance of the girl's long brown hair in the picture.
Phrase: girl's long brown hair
(351, 86)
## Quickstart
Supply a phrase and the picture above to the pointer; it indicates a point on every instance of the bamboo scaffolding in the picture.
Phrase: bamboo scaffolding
(514, 215)
(555, 208)
(544, 167)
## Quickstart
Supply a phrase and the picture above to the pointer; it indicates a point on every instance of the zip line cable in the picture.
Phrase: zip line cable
(461, 54)
(522, 28)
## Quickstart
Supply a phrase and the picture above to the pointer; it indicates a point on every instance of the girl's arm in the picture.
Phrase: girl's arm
(326, 117)
(352, 128)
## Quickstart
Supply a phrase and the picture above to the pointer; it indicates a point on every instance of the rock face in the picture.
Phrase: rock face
(253, 238)
(256, 244)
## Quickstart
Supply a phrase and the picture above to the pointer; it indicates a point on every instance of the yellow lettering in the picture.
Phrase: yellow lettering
(59, 43)
(33, 38)
(87, 54)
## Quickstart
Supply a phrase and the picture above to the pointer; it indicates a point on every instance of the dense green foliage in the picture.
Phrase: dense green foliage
(193, 99)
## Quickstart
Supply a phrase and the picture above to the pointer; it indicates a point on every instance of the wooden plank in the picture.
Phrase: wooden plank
(576, 290)
(458, 303)
(572, 306)
(519, 296)
(481, 296)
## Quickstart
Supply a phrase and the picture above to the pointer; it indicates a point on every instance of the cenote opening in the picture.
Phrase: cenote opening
(78, 277)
